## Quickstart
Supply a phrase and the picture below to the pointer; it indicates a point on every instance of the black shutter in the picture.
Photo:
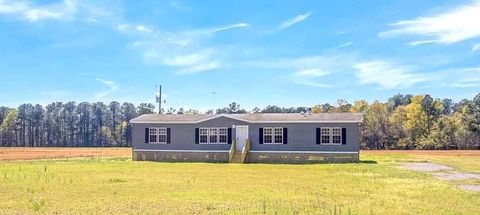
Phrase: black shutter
(146, 135)
(285, 135)
(229, 136)
(318, 135)
(168, 136)
(197, 136)
(344, 136)
(260, 135)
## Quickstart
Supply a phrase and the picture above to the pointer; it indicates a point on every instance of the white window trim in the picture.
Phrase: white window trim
(217, 134)
(272, 135)
(166, 135)
(150, 135)
(330, 135)
(157, 134)
(200, 136)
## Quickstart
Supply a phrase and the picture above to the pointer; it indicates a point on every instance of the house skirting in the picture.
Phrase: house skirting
(180, 155)
(221, 156)
(300, 157)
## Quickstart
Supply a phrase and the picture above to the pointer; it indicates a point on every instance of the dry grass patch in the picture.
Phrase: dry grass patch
(23, 153)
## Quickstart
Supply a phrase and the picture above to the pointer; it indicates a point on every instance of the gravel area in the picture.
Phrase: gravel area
(434, 169)
(470, 187)
(426, 167)
(456, 176)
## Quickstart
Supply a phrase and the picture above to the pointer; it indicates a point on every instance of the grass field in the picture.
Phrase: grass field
(116, 185)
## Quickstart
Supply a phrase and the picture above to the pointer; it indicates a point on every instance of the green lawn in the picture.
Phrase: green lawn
(119, 186)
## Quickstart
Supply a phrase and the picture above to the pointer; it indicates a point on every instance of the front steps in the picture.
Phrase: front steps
(237, 157)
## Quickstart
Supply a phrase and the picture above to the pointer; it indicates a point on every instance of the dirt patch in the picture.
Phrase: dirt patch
(426, 167)
(48, 153)
(456, 176)
(470, 187)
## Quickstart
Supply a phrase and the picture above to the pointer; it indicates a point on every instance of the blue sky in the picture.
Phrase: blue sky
(287, 53)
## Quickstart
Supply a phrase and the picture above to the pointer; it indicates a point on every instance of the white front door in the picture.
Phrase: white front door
(241, 132)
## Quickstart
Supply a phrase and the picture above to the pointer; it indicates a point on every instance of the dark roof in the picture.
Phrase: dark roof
(263, 117)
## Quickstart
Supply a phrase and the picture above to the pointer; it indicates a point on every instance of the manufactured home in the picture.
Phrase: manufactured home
(247, 138)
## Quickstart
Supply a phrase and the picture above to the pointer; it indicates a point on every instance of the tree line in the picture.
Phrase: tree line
(419, 122)
(402, 122)
(69, 124)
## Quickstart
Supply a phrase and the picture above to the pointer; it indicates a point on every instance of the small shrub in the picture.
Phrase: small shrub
(37, 204)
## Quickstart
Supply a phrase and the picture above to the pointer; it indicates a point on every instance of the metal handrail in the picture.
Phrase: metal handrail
(245, 150)
(232, 151)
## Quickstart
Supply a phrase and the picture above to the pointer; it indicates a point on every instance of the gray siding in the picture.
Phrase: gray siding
(301, 136)
(182, 135)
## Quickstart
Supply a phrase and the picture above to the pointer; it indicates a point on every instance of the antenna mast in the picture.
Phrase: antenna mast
(159, 99)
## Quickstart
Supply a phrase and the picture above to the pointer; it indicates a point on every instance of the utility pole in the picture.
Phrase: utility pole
(159, 99)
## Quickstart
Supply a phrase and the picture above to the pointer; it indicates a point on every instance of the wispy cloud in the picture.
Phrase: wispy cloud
(128, 28)
(386, 74)
(288, 23)
(328, 62)
(476, 47)
(187, 52)
(192, 63)
(185, 60)
(343, 45)
(201, 67)
(465, 83)
(462, 77)
(123, 27)
(112, 87)
(312, 83)
(61, 11)
(226, 27)
(309, 77)
(201, 32)
(28, 11)
(315, 72)
(309, 70)
(141, 28)
(452, 26)
(319, 70)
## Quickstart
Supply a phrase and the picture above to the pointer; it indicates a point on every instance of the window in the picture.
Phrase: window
(213, 135)
(162, 135)
(152, 137)
(278, 134)
(325, 136)
(331, 136)
(157, 135)
(273, 135)
(336, 135)
(267, 135)
(204, 135)
(222, 135)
